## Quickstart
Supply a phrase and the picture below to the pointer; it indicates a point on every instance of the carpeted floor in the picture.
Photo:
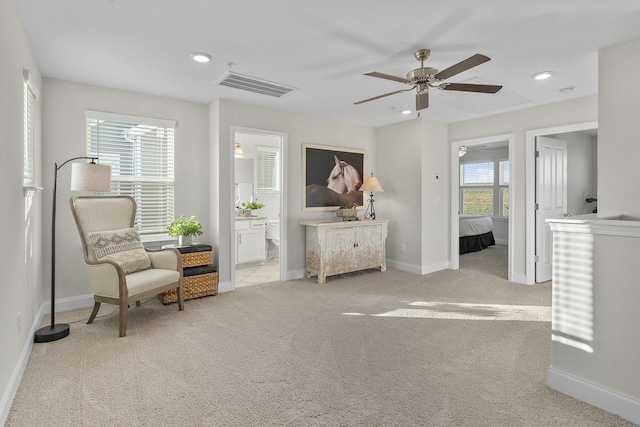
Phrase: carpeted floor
(452, 348)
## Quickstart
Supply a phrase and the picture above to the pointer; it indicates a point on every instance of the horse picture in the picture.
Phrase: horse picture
(332, 177)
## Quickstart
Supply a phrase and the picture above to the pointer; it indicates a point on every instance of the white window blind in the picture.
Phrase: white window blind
(140, 151)
(30, 99)
(268, 170)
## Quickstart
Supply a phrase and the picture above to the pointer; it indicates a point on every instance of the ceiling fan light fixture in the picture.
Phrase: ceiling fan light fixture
(542, 75)
(203, 58)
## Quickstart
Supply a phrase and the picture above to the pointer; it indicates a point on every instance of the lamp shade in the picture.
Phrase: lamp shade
(90, 177)
(371, 184)
(238, 150)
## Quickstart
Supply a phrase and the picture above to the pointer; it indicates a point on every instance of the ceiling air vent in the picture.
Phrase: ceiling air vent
(251, 84)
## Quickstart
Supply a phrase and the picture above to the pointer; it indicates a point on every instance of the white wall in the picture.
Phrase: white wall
(434, 195)
(300, 129)
(398, 171)
(618, 147)
(582, 171)
(64, 124)
(608, 377)
(410, 154)
(21, 286)
(580, 110)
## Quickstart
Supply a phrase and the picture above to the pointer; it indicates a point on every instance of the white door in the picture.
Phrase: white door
(551, 197)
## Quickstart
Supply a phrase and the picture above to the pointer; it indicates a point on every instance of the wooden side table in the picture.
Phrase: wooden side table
(200, 277)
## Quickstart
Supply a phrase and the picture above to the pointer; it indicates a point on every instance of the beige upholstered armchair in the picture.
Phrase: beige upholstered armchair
(120, 270)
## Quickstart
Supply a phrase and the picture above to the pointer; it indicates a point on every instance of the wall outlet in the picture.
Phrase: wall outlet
(19, 322)
(403, 248)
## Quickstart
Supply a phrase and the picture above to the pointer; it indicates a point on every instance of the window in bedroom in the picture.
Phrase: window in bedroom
(476, 188)
(31, 96)
(484, 188)
(268, 170)
(140, 151)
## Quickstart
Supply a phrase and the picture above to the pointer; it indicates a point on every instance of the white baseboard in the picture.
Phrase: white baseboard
(520, 278)
(296, 274)
(502, 242)
(403, 266)
(426, 269)
(593, 394)
(66, 304)
(16, 376)
(417, 269)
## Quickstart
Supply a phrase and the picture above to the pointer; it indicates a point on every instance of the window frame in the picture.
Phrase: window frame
(31, 121)
(276, 170)
(153, 190)
(498, 187)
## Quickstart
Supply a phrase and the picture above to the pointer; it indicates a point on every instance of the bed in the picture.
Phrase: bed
(476, 233)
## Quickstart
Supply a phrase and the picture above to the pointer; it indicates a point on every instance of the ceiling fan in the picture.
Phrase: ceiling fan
(424, 78)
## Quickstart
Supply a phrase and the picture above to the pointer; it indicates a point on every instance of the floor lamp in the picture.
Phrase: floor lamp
(371, 184)
(84, 177)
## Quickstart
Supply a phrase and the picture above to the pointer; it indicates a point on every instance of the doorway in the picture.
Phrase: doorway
(581, 198)
(471, 145)
(258, 172)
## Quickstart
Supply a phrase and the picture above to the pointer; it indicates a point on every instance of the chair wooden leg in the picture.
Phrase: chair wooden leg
(96, 308)
(180, 291)
(123, 317)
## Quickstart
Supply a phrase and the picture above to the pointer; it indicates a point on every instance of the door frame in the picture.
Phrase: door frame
(455, 199)
(283, 197)
(530, 192)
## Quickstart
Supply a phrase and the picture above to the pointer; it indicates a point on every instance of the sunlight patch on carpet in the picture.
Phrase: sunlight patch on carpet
(464, 311)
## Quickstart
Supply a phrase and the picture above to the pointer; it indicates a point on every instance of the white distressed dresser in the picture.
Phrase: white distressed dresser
(336, 247)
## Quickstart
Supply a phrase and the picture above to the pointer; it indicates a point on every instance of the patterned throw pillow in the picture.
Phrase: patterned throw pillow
(121, 246)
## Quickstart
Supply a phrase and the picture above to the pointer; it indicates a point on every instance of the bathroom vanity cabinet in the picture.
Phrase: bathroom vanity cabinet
(250, 240)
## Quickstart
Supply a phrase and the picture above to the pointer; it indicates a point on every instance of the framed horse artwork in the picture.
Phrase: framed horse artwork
(332, 177)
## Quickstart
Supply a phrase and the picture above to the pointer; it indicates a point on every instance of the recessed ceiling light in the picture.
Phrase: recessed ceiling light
(567, 90)
(543, 75)
(405, 112)
(201, 57)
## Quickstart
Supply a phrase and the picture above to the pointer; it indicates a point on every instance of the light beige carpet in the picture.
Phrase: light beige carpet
(452, 348)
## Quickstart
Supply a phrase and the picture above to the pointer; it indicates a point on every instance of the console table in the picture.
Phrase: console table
(336, 247)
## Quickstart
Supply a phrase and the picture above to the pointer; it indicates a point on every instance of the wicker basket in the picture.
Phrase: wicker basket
(194, 259)
(194, 287)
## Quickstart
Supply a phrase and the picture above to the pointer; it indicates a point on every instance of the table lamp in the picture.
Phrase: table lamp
(371, 184)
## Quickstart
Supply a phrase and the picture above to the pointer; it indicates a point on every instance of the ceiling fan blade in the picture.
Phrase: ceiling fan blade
(422, 101)
(461, 66)
(388, 77)
(468, 87)
(382, 96)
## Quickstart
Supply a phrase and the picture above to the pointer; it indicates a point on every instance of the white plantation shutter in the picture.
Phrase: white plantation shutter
(268, 166)
(140, 152)
(30, 99)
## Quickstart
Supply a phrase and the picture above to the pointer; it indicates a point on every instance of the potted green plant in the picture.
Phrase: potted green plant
(348, 210)
(184, 228)
(246, 208)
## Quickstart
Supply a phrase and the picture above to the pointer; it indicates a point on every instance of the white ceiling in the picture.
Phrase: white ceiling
(323, 48)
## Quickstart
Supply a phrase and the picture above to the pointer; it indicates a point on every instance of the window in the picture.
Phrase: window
(30, 116)
(484, 188)
(268, 165)
(140, 153)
